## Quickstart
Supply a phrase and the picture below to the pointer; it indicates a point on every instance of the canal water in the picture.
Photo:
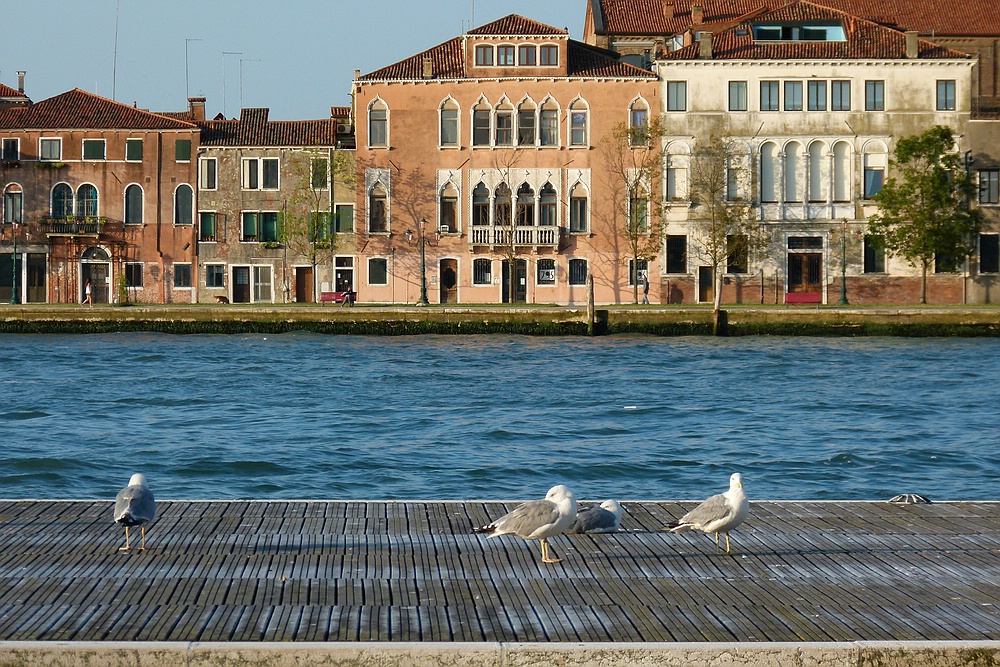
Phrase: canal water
(304, 416)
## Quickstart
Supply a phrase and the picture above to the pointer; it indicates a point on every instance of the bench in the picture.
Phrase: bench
(804, 297)
(345, 298)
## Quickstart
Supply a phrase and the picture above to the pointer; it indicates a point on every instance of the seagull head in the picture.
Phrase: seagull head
(736, 481)
(137, 479)
(561, 494)
(613, 507)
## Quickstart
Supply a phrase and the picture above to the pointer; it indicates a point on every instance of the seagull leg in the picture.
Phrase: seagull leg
(727, 542)
(545, 553)
(126, 547)
(143, 548)
(718, 549)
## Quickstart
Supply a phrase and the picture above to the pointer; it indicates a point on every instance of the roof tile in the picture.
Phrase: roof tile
(78, 109)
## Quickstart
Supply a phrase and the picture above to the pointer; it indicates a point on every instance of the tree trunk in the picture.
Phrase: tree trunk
(923, 282)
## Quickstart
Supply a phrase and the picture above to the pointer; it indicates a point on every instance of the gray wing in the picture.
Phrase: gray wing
(595, 520)
(713, 509)
(134, 505)
(527, 519)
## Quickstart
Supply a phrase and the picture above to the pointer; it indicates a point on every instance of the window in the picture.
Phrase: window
(378, 124)
(184, 205)
(578, 211)
(502, 206)
(945, 95)
(62, 201)
(207, 174)
(946, 263)
(639, 124)
(505, 56)
(260, 226)
(732, 180)
(319, 172)
(480, 206)
(484, 55)
(481, 126)
(182, 276)
(842, 172)
(676, 95)
(504, 126)
(874, 254)
(11, 150)
(769, 172)
(50, 149)
(133, 205)
(449, 124)
(546, 271)
(319, 226)
(343, 219)
(208, 227)
(182, 151)
(768, 95)
(874, 95)
(793, 96)
(873, 181)
(94, 149)
(676, 253)
(378, 271)
(448, 209)
(737, 95)
(525, 205)
(260, 173)
(737, 257)
(577, 124)
(638, 208)
(526, 55)
(817, 96)
(549, 55)
(547, 206)
(133, 274)
(989, 253)
(637, 269)
(840, 95)
(525, 126)
(86, 201)
(378, 208)
(989, 186)
(133, 150)
(13, 205)
(482, 272)
(549, 130)
(215, 275)
(577, 272)
(794, 159)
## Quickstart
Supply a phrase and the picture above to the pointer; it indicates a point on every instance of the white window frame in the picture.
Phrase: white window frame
(245, 180)
(203, 172)
(43, 141)
(133, 140)
(173, 271)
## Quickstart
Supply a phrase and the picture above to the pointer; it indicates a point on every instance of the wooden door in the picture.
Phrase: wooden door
(706, 284)
(241, 284)
(303, 284)
(805, 271)
(449, 281)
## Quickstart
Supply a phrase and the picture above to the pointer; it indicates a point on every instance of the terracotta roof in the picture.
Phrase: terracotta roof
(865, 40)
(7, 91)
(646, 17)
(254, 129)
(514, 24)
(78, 109)
(448, 59)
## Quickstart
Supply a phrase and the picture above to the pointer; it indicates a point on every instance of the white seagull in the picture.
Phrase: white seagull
(719, 514)
(134, 506)
(538, 520)
(603, 519)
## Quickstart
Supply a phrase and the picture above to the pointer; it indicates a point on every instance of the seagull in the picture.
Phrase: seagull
(538, 520)
(603, 519)
(134, 506)
(719, 514)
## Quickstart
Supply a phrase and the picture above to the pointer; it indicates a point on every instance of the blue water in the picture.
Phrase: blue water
(300, 416)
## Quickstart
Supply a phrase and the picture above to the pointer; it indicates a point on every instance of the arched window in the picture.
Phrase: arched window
(578, 221)
(502, 206)
(769, 172)
(13, 205)
(793, 169)
(378, 209)
(184, 205)
(817, 158)
(842, 172)
(86, 201)
(62, 201)
(449, 122)
(578, 123)
(133, 205)
(547, 206)
(638, 208)
(548, 130)
(480, 206)
(525, 205)
(875, 156)
(677, 164)
(448, 208)
(526, 123)
(378, 124)
(481, 114)
(638, 123)
(504, 124)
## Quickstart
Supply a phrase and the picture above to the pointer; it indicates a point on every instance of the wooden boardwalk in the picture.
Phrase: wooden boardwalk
(404, 572)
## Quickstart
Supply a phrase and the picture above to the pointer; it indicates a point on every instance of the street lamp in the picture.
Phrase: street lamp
(843, 265)
(14, 296)
(423, 266)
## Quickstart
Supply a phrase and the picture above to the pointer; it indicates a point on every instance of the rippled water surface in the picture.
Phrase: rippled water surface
(309, 416)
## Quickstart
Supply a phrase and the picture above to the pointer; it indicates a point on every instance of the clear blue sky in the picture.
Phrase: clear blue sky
(298, 56)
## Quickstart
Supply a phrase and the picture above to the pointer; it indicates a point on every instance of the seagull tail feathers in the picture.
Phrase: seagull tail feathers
(484, 529)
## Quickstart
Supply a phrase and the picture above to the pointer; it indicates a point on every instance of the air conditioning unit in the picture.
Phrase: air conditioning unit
(343, 128)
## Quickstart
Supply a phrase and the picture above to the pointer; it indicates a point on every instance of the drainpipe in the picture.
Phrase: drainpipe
(159, 213)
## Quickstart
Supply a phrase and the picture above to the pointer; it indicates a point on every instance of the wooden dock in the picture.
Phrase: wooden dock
(414, 572)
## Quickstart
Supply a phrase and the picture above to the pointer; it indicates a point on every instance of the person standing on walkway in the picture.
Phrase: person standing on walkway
(89, 297)
(645, 289)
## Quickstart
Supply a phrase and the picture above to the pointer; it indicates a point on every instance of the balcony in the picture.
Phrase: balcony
(88, 226)
(526, 236)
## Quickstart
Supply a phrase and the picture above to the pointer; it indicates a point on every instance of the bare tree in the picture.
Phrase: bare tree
(506, 216)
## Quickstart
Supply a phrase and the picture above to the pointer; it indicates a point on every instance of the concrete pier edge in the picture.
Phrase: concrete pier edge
(490, 654)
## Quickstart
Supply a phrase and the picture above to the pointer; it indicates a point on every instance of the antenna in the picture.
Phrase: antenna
(187, 88)
(114, 60)
(224, 54)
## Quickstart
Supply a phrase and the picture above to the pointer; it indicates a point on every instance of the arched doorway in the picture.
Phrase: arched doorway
(95, 266)
(449, 281)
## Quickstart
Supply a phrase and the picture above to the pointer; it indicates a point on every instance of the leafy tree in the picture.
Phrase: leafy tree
(721, 178)
(924, 210)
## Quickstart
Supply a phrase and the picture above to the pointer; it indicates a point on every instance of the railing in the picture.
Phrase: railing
(522, 236)
(89, 226)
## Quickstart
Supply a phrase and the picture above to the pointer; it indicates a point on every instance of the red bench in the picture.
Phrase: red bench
(804, 297)
(345, 298)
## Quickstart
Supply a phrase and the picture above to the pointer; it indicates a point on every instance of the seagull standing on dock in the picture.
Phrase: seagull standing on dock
(538, 520)
(134, 506)
(719, 514)
(603, 519)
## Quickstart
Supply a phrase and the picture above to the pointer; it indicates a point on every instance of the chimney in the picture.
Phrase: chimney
(668, 9)
(20, 81)
(688, 38)
(428, 71)
(705, 45)
(697, 14)
(912, 46)
(196, 107)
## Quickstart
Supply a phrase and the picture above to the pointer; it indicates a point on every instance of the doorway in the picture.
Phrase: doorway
(805, 271)
(303, 284)
(520, 281)
(449, 281)
(241, 284)
(95, 266)
(706, 284)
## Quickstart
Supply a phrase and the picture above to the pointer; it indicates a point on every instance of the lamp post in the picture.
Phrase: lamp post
(423, 266)
(843, 265)
(14, 297)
